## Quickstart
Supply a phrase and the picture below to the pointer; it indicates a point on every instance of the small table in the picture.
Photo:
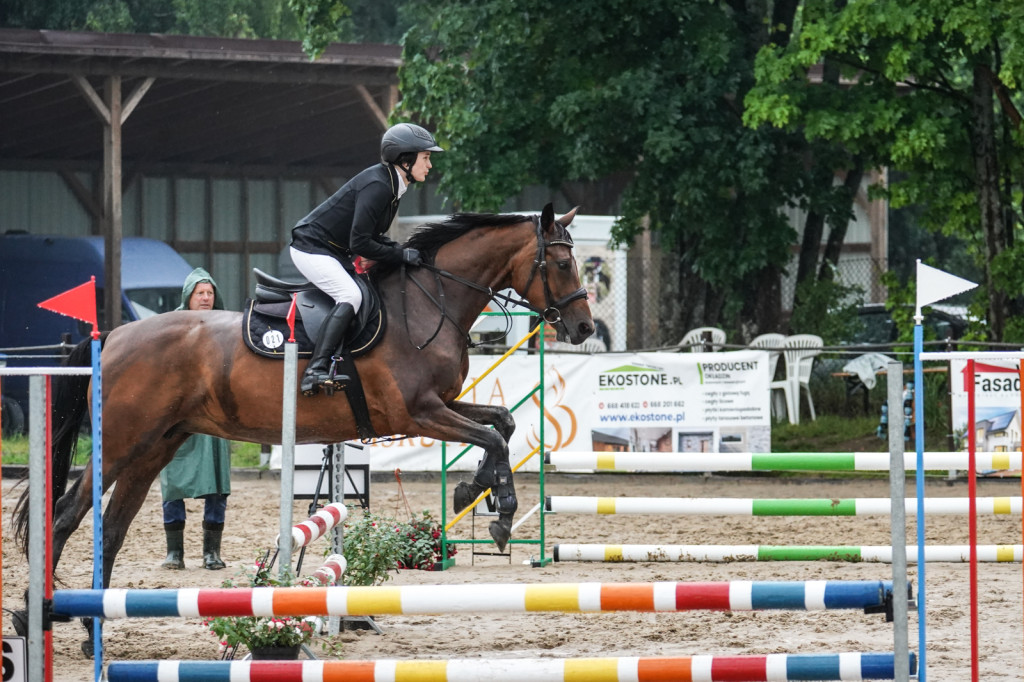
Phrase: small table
(854, 384)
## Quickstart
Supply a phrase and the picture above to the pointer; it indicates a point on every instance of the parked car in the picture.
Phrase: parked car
(878, 326)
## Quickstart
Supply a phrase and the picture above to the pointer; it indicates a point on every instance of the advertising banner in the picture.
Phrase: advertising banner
(996, 405)
(621, 402)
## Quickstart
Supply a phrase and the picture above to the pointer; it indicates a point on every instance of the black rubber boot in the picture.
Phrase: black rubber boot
(175, 546)
(212, 533)
(329, 343)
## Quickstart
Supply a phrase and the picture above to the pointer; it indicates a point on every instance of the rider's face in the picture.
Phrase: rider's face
(421, 167)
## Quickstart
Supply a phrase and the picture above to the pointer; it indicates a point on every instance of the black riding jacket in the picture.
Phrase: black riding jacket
(353, 220)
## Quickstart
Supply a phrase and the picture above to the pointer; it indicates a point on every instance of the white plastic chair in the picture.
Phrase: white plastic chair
(593, 345)
(773, 344)
(696, 336)
(800, 351)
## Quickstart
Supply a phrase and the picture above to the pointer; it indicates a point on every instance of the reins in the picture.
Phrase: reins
(551, 313)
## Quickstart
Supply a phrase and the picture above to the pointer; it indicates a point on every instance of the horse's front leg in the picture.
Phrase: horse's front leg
(467, 422)
(494, 471)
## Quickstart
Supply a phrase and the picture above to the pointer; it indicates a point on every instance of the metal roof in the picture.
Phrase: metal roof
(261, 104)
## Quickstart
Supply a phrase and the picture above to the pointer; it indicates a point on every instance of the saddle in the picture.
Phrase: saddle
(265, 329)
(265, 317)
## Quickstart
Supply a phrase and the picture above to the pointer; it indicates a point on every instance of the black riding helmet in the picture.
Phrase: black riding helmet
(406, 138)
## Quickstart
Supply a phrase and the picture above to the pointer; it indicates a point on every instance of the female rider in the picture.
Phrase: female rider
(351, 223)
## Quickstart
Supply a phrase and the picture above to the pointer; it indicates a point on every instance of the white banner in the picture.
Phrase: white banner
(622, 402)
(996, 405)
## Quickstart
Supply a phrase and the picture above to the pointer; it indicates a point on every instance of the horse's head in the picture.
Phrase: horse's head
(553, 280)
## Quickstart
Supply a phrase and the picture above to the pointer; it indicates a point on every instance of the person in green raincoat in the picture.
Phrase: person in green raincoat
(202, 466)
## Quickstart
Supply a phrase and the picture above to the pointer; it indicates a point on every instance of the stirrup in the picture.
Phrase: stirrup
(318, 380)
(332, 381)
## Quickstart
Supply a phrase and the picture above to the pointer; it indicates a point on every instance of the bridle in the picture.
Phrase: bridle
(551, 312)
(540, 264)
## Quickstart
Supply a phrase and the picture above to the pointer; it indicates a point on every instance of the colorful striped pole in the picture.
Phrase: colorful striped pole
(731, 553)
(331, 571)
(778, 461)
(313, 528)
(737, 595)
(880, 506)
(777, 667)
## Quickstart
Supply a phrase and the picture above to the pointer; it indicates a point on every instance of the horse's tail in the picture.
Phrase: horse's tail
(68, 406)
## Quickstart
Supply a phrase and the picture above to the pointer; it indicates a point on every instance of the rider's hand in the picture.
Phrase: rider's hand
(411, 257)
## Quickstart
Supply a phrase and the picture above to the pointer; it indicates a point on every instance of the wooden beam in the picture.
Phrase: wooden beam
(93, 99)
(269, 72)
(112, 203)
(81, 193)
(219, 247)
(371, 104)
(133, 99)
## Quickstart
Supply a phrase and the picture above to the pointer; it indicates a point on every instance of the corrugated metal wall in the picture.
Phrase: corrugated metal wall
(31, 198)
(227, 225)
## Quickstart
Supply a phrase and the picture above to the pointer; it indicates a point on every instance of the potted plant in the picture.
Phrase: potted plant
(266, 637)
(372, 547)
(422, 543)
(375, 545)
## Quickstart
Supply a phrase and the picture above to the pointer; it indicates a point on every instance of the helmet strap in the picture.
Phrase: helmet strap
(408, 173)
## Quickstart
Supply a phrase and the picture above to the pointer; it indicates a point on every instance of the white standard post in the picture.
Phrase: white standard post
(284, 547)
(36, 521)
(898, 523)
(338, 532)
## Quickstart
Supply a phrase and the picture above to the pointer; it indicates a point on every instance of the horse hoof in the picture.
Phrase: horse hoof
(465, 494)
(87, 647)
(20, 621)
(500, 533)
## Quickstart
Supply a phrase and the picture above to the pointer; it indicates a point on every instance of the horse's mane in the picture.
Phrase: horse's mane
(430, 237)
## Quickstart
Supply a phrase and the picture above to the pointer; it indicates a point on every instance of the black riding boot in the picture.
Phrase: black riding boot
(211, 546)
(175, 546)
(328, 344)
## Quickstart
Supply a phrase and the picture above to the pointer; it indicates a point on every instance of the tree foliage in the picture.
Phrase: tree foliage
(930, 88)
(315, 22)
(539, 91)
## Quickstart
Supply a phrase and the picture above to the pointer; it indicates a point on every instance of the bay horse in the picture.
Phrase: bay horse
(185, 372)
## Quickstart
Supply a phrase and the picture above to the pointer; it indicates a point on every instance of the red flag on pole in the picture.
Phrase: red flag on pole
(291, 320)
(79, 303)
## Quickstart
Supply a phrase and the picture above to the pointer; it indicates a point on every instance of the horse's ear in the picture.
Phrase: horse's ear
(547, 216)
(566, 220)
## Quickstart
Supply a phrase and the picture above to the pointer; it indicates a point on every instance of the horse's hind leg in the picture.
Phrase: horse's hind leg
(126, 500)
(494, 471)
(69, 511)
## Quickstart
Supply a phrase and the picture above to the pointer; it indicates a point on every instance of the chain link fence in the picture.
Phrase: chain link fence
(637, 303)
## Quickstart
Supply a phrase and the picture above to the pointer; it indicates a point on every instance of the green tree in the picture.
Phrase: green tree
(316, 22)
(930, 88)
(538, 91)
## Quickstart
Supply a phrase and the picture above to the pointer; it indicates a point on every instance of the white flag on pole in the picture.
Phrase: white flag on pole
(935, 285)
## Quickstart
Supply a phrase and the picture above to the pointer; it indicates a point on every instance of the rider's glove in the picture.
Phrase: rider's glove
(411, 257)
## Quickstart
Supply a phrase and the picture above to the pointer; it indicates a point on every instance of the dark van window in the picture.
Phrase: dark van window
(145, 302)
(149, 302)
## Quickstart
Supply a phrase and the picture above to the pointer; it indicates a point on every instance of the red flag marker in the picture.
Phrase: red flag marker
(291, 319)
(79, 303)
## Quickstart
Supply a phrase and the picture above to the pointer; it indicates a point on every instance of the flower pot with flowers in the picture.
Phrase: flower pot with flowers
(422, 540)
(375, 545)
(266, 637)
(372, 548)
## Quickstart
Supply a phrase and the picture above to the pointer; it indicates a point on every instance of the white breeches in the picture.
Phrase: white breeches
(329, 276)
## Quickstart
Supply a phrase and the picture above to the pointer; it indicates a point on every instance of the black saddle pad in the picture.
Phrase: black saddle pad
(265, 324)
